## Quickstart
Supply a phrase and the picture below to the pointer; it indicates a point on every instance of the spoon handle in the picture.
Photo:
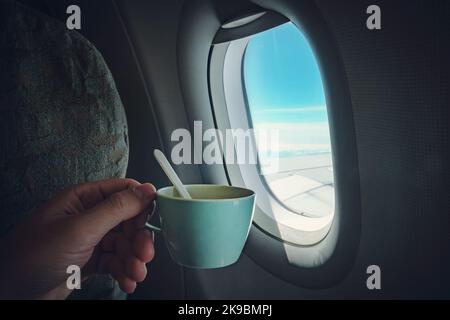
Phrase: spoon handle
(171, 174)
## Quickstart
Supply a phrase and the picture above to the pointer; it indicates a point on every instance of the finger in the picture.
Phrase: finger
(118, 207)
(131, 226)
(129, 230)
(84, 196)
(117, 270)
(126, 284)
(123, 247)
(135, 269)
(92, 193)
(143, 247)
(140, 221)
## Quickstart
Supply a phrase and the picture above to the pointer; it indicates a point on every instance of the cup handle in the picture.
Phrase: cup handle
(152, 227)
(149, 226)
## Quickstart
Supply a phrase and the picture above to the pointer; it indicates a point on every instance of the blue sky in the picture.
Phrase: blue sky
(282, 78)
(285, 91)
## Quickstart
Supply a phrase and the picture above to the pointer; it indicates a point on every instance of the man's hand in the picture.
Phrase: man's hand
(98, 226)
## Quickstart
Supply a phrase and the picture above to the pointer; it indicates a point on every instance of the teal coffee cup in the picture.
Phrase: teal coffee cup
(209, 230)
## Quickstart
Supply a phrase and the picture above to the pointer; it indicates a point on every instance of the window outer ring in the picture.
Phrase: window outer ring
(326, 262)
(196, 33)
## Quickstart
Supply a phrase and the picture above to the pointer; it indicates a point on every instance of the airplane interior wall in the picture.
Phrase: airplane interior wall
(399, 89)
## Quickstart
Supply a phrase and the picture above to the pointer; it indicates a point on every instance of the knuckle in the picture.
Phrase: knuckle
(117, 201)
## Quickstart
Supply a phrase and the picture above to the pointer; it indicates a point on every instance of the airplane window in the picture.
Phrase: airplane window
(284, 91)
(269, 83)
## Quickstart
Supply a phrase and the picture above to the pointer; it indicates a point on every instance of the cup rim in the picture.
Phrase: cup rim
(252, 193)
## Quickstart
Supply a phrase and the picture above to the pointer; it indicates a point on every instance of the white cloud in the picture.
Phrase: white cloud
(297, 137)
(294, 147)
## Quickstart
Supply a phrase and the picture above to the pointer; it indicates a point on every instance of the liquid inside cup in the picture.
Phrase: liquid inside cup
(209, 192)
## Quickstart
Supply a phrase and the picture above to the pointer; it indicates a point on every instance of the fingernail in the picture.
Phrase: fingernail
(145, 191)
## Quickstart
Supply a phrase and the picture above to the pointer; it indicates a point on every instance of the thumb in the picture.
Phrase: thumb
(118, 207)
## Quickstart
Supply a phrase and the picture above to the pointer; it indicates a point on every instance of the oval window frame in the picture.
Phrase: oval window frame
(226, 65)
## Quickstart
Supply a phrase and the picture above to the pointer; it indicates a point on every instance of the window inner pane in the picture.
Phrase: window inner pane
(285, 92)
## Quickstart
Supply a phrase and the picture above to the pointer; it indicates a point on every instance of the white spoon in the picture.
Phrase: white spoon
(170, 173)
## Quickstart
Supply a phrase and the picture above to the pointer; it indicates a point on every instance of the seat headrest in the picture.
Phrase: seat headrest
(62, 121)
